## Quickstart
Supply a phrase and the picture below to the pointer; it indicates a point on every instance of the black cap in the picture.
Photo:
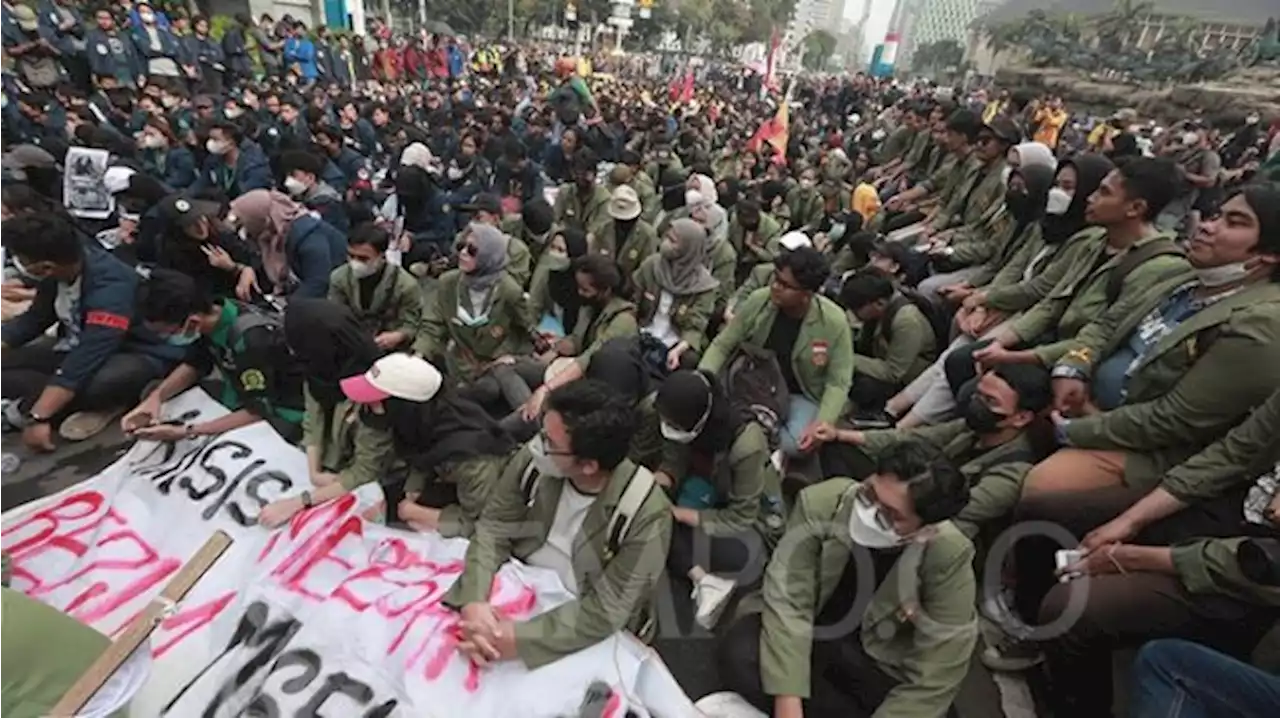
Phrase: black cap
(1031, 381)
(1004, 129)
(184, 211)
(484, 202)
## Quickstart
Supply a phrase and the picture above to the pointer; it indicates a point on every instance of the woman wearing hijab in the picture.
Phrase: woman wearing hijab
(1030, 154)
(716, 460)
(347, 445)
(988, 309)
(722, 259)
(299, 250)
(478, 324)
(455, 451)
(677, 296)
(553, 291)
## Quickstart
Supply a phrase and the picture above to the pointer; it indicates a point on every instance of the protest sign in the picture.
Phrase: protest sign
(331, 614)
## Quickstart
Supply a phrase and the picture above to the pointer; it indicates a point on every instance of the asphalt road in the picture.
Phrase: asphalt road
(690, 654)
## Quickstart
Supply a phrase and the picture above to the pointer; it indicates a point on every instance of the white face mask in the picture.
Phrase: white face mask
(1190, 138)
(455, 173)
(1004, 174)
(542, 461)
(217, 148)
(147, 17)
(233, 112)
(293, 185)
(363, 269)
(152, 142)
(864, 530)
(1223, 275)
(1058, 202)
(671, 433)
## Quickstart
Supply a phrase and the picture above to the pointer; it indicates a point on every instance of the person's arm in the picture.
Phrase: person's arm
(621, 325)
(314, 266)
(108, 314)
(911, 332)
(693, 326)
(790, 603)
(433, 334)
(502, 521)
(748, 459)
(839, 374)
(373, 451)
(605, 605)
(32, 323)
(733, 334)
(408, 303)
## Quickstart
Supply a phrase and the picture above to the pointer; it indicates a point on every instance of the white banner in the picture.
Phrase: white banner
(329, 615)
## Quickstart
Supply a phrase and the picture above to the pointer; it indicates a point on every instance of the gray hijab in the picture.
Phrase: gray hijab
(683, 270)
(491, 257)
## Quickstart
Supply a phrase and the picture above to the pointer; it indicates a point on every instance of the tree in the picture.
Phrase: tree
(940, 55)
(818, 47)
(1115, 28)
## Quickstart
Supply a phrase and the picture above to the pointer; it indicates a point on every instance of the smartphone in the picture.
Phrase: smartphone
(1064, 558)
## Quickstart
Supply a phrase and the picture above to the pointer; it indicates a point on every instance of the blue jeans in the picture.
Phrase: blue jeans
(800, 414)
(1174, 678)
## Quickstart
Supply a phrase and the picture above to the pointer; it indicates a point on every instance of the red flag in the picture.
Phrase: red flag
(775, 133)
(686, 93)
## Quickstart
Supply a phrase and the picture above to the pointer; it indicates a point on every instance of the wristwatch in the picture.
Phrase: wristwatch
(307, 502)
(34, 418)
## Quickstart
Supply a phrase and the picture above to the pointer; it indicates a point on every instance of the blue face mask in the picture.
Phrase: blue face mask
(183, 339)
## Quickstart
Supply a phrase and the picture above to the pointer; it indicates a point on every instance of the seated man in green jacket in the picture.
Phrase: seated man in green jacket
(895, 344)
(385, 297)
(879, 558)
(572, 502)
(808, 334)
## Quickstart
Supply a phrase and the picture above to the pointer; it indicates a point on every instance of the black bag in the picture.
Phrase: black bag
(938, 322)
(757, 389)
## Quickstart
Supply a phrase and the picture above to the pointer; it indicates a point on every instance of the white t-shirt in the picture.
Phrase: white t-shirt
(557, 553)
(661, 327)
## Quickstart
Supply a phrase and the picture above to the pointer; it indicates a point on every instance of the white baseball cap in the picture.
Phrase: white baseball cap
(403, 376)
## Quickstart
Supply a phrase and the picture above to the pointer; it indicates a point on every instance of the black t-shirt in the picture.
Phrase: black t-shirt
(781, 341)
(367, 285)
(841, 603)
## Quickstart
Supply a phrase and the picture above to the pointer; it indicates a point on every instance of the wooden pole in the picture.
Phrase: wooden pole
(140, 629)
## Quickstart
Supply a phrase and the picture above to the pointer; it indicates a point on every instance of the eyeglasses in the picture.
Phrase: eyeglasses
(866, 498)
(546, 444)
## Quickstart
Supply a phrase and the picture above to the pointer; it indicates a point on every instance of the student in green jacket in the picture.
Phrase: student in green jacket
(627, 238)
(753, 234)
(887, 539)
(896, 342)
(532, 227)
(810, 336)
(347, 445)
(761, 275)
(561, 493)
(716, 461)
(454, 449)
(1182, 366)
(486, 209)
(804, 203)
(675, 296)
(386, 298)
(583, 201)
(553, 293)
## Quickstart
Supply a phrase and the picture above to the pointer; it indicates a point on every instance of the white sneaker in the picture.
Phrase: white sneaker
(711, 594)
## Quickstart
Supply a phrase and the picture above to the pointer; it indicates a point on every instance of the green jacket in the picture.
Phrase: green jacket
(822, 357)
(956, 173)
(595, 327)
(396, 305)
(45, 653)
(805, 209)
(897, 145)
(1193, 386)
(1210, 567)
(724, 267)
(995, 475)
(513, 226)
(357, 452)
(760, 277)
(912, 349)
(920, 626)
(749, 486)
(642, 242)
(468, 349)
(570, 209)
(755, 247)
(475, 479)
(690, 313)
(615, 592)
(654, 170)
(1016, 250)
(1034, 268)
(1245, 453)
(519, 258)
(920, 145)
(976, 200)
(650, 201)
(1076, 309)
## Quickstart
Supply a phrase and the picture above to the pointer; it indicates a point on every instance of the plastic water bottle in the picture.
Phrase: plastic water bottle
(10, 463)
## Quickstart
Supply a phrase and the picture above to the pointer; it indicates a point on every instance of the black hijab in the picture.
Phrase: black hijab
(1091, 169)
(328, 339)
(561, 285)
(1037, 179)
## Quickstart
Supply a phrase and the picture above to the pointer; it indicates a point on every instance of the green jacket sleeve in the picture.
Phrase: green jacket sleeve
(939, 435)
(1240, 456)
(313, 428)
(373, 452)
(911, 335)
(518, 261)
(790, 605)
(1210, 566)
(839, 372)
(609, 602)
(622, 324)
(502, 522)
(433, 335)
(409, 305)
(942, 641)
(475, 479)
(747, 459)
(539, 299)
(733, 334)
(1238, 369)
(693, 326)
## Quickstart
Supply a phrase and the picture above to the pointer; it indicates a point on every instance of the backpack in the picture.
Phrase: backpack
(639, 486)
(254, 317)
(757, 389)
(1134, 259)
(937, 322)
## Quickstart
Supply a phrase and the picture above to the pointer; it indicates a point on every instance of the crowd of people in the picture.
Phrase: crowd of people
(821, 380)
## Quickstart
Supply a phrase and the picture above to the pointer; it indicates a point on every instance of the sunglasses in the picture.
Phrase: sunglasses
(468, 249)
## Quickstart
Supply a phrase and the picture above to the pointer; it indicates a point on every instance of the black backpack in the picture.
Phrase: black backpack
(937, 321)
(757, 389)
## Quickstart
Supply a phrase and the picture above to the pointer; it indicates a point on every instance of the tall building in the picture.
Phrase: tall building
(810, 15)
(927, 21)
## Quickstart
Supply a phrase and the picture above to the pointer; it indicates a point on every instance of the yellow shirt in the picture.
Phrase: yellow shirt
(866, 202)
(1048, 124)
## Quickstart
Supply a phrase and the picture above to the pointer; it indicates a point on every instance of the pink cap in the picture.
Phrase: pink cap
(359, 389)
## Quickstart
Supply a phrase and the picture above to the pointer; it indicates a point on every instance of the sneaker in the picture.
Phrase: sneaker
(1012, 656)
(711, 594)
(998, 608)
(84, 425)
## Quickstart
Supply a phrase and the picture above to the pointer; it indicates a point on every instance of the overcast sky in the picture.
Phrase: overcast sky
(878, 23)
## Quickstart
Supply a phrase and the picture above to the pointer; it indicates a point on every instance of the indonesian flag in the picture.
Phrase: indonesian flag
(773, 132)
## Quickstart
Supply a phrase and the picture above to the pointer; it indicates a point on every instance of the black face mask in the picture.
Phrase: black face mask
(979, 417)
(1019, 205)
